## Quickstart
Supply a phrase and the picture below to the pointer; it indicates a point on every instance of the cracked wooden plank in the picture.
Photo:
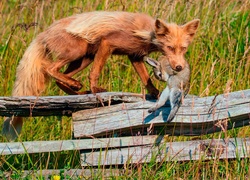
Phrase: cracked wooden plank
(61, 105)
(196, 116)
(170, 151)
(76, 144)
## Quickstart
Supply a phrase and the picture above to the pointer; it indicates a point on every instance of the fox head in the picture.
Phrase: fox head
(174, 39)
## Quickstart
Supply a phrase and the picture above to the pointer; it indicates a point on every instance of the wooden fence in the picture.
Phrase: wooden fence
(115, 128)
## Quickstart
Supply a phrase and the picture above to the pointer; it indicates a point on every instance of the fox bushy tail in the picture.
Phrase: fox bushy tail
(31, 79)
(31, 76)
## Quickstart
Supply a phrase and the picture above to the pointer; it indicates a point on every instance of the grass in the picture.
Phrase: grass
(219, 58)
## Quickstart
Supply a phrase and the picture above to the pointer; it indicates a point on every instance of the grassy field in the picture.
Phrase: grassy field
(219, 57)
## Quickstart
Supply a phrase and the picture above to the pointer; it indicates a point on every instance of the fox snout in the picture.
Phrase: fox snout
(178, 68)
(177, 65)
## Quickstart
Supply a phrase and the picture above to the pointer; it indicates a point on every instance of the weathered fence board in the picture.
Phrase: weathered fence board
(61, 105)
(172, 151)
(196, 116)
(128, 116)
(138, 149)
(78, 144)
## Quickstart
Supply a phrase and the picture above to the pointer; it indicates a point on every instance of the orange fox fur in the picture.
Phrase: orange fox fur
(92, 37)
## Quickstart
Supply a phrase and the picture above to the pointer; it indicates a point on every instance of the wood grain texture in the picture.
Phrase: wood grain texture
(61, 105)
(171, 151)
(196, 116)
(78, 144)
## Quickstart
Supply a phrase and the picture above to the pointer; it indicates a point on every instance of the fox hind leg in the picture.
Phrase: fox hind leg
(78, 65)
(53, 71)
(73, 68)
(67, 49)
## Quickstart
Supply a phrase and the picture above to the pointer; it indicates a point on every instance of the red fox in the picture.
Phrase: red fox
(79, 40)
(177, 87)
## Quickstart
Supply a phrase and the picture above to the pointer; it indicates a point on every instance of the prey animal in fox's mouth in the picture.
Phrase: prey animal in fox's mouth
(177, 84)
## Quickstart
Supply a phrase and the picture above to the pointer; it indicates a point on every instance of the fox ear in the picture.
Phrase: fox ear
(191, 27)
(160, 27)
(152, 62)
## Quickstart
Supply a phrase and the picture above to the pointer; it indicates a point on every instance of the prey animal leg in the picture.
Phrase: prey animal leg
(175, 100)
(162, 100)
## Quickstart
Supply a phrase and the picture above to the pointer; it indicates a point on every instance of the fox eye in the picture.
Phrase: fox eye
(171, 48)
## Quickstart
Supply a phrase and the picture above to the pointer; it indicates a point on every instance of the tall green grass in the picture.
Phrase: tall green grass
(219, 58)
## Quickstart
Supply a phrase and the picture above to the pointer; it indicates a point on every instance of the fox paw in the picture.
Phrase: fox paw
(76, 86)
(66, 88)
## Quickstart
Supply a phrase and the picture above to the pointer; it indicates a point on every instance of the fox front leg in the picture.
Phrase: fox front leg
(162, 100)
(175, 100)
(101, 57)
(141, 70)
